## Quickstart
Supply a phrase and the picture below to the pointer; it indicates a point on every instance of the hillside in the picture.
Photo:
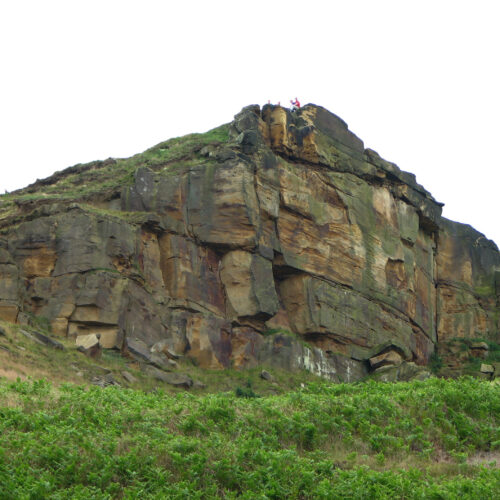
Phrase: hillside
(275, 240)
(418, 440)
(218, 317)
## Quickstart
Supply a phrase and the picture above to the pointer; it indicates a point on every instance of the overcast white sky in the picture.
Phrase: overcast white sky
(418, 81)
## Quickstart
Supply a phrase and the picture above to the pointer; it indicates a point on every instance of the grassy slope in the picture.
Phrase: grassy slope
(100, 179)
(24, 358)
(367, 440)
(433, 439)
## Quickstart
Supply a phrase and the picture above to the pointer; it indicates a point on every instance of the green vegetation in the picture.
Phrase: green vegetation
(470, 358)
(246, 392)
(83, 182)
(433, 439)
(493, 352)
(435, 362)
(20, 356)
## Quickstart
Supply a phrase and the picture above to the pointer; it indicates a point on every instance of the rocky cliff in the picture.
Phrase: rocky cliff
(276, 239)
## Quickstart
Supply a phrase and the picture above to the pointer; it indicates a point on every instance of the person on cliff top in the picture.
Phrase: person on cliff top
(295, 105)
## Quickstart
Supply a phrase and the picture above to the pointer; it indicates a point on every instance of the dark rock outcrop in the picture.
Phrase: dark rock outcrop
(287, 244)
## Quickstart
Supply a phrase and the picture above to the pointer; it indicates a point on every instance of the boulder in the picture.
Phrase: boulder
(9, 311)
(162, 362)
(104, 380)
(265, 375)
(164, 346)
(175, 379)
(479, 345)
(42, 339)
(392, 358)
(138, 349)
(402, 373)
(89, 345)
(485, 368)
(129, 377)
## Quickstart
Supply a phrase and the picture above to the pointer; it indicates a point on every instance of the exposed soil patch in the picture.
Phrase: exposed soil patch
(11, 374)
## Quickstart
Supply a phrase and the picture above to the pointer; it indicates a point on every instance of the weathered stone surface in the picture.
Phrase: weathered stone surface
(42, 339)
(289, 353)
(138, 349)
(89, 345)
(466, 267)
(175, 379)
(264, 374)
(405, 372)
(249, 285)
(129, 377)
(191, 274)
(222, 205)
(485, 368)
(391, 358)
(142, 316)
(163, 346)
(310, 136)
(84, 243)
(87, 341)
(479, 345)
(48, 341)
(142, 352)
(9, 287)
(105, 380)
(317, 308)
(99, 301)
(479, 349)
(208, 340)
(9, 312)
(219, 250)
(245, 346)
(162, 362)
(28, 335)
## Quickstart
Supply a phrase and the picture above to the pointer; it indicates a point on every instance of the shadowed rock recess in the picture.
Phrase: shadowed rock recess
(277, 239)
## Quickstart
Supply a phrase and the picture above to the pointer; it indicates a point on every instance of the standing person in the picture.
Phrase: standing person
(295, 105)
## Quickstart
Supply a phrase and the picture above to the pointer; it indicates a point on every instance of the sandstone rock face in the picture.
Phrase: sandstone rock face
(289, 244)
(468, 285)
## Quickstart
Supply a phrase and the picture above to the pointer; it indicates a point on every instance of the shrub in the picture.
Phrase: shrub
(365, 440)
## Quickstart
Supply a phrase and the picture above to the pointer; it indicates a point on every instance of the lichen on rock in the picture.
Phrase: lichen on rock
(278, 222)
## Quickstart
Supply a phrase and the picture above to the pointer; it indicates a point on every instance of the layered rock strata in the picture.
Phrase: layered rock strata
(288, 244)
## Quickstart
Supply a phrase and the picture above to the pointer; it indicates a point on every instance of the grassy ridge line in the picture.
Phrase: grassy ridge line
(370, 440)
(83, 182)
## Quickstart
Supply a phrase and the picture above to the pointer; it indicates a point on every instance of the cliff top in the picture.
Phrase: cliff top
(99, 182)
